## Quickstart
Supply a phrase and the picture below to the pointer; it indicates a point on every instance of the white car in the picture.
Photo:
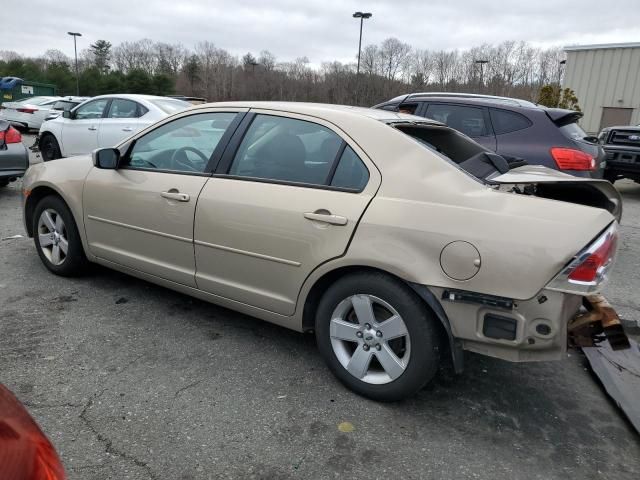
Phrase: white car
(103, 121)
(27, 112)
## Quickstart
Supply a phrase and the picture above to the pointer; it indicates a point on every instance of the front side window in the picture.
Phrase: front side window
(91, 110)
(468, 120)
(183, 145)
(122, 108)
(286, 149)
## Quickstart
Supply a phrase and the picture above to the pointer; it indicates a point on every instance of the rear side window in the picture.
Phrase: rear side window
(505, 121)
(287, 150)
(123, 108)
(468, 120)
(351, 172)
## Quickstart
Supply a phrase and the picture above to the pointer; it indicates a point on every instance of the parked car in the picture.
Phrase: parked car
(512, 128)
(27, 113)
(64, 105)
(102, 121)
(622, 146)
(14, 157)
(398, 240)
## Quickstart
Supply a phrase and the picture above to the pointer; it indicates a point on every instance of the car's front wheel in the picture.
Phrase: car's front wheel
(377, 336)
(56, 237)
(49, 147)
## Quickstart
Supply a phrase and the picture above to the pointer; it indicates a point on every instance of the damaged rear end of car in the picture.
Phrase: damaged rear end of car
(524, 251)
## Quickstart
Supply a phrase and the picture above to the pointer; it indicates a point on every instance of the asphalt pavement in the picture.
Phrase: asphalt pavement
(134, 381)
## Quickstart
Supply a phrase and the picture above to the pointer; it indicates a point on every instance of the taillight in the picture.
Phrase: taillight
(25, 452)
(600, 255)
(10, 136)
(589, 268)
(27, 110)
(572, 159)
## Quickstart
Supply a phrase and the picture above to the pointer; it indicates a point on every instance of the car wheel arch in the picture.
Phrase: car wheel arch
(34, 198)
(320, 285)
(43, 134)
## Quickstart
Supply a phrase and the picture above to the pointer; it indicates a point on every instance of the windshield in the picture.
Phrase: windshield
(64, 105)
(170, 105)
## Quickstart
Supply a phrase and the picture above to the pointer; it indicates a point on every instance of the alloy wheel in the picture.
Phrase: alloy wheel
(370, 339)
(52, 236)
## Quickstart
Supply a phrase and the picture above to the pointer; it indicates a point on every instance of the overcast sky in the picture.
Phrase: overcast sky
(320, 29)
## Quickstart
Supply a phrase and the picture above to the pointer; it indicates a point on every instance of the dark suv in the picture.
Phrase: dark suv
(512, 128)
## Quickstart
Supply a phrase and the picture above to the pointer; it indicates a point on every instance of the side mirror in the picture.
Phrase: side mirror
(106, 158)
(66, 114)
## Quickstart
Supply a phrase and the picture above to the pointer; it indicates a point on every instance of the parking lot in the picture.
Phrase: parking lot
(131, 380)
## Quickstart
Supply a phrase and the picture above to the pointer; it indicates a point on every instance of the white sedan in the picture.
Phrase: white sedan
(103, 121)
(27, 112)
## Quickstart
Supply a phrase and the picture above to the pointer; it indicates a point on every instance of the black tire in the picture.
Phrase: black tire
(75, 262)
(4, 183)
(49, 148)
(421, 326)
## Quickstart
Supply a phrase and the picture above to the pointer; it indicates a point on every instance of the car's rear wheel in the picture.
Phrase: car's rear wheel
(49, 147)
(56, 237)
(377, 336)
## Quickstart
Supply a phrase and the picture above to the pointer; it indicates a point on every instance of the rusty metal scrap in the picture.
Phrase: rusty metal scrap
(586, 329)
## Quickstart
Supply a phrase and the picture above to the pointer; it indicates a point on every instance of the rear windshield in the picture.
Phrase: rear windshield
(573, 131)
(170, 105)
(460, 150)
(35, 100)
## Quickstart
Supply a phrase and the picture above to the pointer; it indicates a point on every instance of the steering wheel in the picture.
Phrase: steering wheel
(178, 163)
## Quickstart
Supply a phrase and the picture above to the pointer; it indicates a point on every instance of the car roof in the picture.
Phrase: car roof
(472, 97)
(323, 110)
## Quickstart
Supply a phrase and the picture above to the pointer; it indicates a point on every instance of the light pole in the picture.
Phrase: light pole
(75, 49)
(481, 63)
(563, 64)
(362, 16)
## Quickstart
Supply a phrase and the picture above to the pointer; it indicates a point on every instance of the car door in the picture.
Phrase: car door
(472, 120)
(120, 122)
(140, 215)
(285, 198)
(80, 131)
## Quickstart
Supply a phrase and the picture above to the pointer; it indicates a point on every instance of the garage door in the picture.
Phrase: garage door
(615, 116)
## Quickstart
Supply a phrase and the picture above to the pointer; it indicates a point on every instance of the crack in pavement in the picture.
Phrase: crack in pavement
(191, 385)
(108, 443)
(52, 405)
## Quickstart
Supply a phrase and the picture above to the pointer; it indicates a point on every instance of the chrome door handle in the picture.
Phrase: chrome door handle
(326, 218)
(128, 129)
(180, 197)
(92, 128)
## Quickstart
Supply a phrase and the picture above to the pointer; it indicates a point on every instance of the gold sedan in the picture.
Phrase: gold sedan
(399, 241)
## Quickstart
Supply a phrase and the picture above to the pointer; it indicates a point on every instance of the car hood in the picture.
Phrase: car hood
(547, 183)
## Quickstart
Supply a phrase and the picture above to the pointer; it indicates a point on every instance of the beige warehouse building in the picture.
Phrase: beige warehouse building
(606, 80)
